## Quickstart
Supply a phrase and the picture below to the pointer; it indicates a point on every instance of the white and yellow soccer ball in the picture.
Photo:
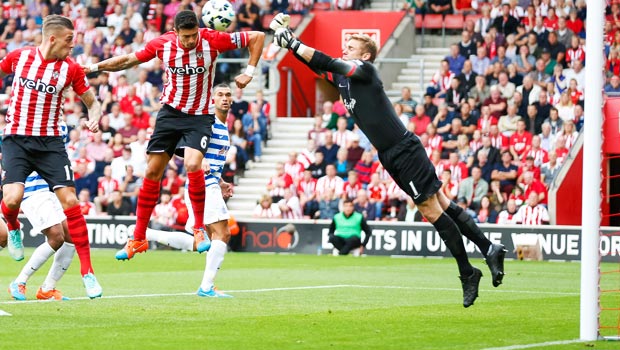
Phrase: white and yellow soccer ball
(218, 14)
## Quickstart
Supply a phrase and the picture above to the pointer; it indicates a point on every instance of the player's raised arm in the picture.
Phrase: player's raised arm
(318, 61)
(114, 64)
(255, 47)
(94, 110)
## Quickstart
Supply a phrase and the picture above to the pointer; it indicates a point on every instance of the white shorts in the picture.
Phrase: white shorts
(43, 210)
(215, 207)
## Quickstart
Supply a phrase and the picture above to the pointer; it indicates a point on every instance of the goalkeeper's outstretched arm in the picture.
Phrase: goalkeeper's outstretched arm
(317, 60)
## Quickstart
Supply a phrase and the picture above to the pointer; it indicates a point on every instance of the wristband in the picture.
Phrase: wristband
(301, 49)
(249, 70)
(93, 68)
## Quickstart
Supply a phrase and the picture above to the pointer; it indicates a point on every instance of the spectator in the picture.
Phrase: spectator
(119, 164)
(443, 7)
(496, 103)
(542, 105)
(266, 209)
(317, 168)
(410, 212)
(507, 216)
(330, 118)
(473, 188)
(486, 213)
(505, 24)
(467, 77)
(377, 194)
(467, 47)
(455, 59)
(429, 106)
(239, 106)
(342, 165)
(364, 168)
(407, 102)
(550, 169)
(404, 118)
(255, 128)
(130, 187)
(532, 213)
(520, 141)
(107, 185)
(306, 191)
(415, 6)
(87, 207)
(351, 186)
(506, 172)
(613, 86)
(538, 154)
(318, 131)
(278, 183)
(554, 121)
(238, 139)
(328, 205)
(342, 137)
(172, 182)
(164, 213)
(293, 167)
(329, 182)
(248, 16)
(364, 207)
(449, 187)
(290, 206)
(118, 206)
(455, 95)
(569, 134)
(420, 120)
(440, 83)
(355, 151)
(306, 156)
(469, 122)
(330, 149)
(546, 136)
(479, 93)
(450, 143)
(576, 72)
(480, 62)
(128, 131)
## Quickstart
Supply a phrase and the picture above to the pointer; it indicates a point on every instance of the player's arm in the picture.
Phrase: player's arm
(227, 189)
(94, 110)
(318, 61)
(114, 64)
(332, 228)
(256, 41)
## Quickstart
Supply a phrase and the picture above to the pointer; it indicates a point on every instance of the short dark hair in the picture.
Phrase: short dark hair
(347, 200)
(185, 19)
(221, 86)
(54, 22)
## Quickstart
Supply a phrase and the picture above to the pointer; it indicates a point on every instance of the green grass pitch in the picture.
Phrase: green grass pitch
(297, 302)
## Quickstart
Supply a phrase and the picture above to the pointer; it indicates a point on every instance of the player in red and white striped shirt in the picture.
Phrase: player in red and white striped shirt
(184, 123)
(32, 136)
(532, 213)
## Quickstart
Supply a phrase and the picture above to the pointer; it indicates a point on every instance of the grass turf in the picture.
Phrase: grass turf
(296, 302)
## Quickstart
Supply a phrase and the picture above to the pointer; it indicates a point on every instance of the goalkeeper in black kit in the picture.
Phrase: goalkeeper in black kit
(400, 152)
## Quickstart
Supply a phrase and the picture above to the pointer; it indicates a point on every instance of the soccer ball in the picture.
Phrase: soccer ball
(218, 14)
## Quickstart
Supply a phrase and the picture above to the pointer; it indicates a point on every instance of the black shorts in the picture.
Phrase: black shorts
(21, 155)
(410, 167)
(175, 130)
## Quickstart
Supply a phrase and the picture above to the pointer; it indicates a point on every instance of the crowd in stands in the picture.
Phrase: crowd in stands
(497, 120)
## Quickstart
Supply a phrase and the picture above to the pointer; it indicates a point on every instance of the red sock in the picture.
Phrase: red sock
(79, 235)
(147, 199)
(10, 215)
(196, 191)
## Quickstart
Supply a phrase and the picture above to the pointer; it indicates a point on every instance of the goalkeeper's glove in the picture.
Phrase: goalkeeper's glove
(285, 39)
(279, 21)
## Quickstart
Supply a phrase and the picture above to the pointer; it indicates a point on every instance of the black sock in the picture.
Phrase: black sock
(450, 234)
(468, 227)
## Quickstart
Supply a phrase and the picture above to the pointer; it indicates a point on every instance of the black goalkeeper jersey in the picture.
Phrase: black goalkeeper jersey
(363, 95)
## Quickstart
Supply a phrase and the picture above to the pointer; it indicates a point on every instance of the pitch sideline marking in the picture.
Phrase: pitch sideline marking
(527, 346)
(261, 290)
(4, 313)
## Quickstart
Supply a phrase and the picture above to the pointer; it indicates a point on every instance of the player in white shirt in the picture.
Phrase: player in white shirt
(44, 211)
(215, 213)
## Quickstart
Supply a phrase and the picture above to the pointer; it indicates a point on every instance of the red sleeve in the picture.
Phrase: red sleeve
(288, 181)
(226, 41)
(78, 78)
(7, 62)
(150, 50)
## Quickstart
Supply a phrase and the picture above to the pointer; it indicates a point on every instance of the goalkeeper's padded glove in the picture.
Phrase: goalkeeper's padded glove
(285, 39)
(279, 21)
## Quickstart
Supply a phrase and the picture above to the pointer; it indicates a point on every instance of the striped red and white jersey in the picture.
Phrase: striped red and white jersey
(306, 188)
(107, 186)
(528, 215)
(350, 190)
(36, 99)
(190, 73)
(326, 183)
